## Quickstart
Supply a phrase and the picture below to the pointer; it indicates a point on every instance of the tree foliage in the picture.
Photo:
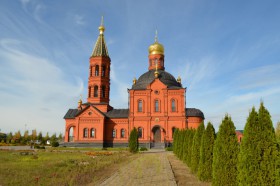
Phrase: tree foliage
(277, 132)
(225, 154)
(206, 154)
(258, 151)
(133, 141)
(195, 156)
(190, 143)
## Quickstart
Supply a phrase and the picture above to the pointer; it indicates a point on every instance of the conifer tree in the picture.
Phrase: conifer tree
(249, 156)
(206, 154)
(196, 148)
(185, 153)
(190, 143)
(174, 145)
(258, 153)
(268, 147)
(225, 155)
(133, 141)
(277, 132)
(181, 144)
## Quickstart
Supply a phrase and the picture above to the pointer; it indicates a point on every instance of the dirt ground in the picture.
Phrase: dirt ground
(182, 173)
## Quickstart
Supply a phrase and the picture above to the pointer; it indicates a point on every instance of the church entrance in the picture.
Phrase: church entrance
(157, 134)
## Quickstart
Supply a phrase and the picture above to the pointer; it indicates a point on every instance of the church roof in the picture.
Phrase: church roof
(123, 113)
(193, 112)
(115, 113)
(100, 48)
(165, 77)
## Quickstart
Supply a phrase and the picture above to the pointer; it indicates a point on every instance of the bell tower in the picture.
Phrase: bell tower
(99, 71)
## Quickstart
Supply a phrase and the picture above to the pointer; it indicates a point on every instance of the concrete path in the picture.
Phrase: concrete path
(151, 168)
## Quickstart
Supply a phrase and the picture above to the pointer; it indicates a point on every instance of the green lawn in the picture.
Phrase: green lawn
(55, 167)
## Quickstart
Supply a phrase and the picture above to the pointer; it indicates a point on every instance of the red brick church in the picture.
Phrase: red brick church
(157, 105)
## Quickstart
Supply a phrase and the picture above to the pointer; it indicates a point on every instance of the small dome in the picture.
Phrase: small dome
(165, 77)
(156, 48)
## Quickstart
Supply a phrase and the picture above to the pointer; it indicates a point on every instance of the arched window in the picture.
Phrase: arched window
(95, 91)
(173, 130)
(114, 133)
(103, 91)
(173, 105)
(156, 106)
(140, 106)
(97, 70)
(103, 71)
(85, 132)
(140, 132)
(92, 133)
(71, 134)
(89, 92)
(122, 133)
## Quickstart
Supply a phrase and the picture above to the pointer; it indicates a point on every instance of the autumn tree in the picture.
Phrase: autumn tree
(206, 154)
(225, 154)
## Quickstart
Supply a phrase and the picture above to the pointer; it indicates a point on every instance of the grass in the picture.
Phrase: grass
(55, 167)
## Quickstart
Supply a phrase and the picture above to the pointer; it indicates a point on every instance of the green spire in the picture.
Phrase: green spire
(100, 48)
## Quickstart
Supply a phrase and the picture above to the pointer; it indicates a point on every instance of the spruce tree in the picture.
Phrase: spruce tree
(196, 148)
(133, 141)
(206, 154)
(225, 155)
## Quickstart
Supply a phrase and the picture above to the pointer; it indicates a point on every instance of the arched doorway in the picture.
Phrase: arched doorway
(71, 134)
(157, 134)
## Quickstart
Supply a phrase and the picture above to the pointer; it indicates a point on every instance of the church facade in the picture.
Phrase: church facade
(157, 105)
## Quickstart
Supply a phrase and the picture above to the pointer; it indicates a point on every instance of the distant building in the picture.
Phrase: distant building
(239, 134)
(157, 105)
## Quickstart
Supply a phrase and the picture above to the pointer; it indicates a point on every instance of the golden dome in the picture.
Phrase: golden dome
(156, 47)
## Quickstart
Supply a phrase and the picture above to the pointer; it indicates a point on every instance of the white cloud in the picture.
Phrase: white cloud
(40, 92)
(118, 97)
(79, 20)
(196, 71)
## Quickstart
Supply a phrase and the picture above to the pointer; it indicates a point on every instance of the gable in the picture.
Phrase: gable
(91, 112)
(156, 84)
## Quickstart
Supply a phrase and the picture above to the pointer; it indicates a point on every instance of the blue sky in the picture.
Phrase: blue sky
(227, 53)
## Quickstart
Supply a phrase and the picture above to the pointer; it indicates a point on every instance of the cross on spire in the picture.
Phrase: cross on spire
(156, 36)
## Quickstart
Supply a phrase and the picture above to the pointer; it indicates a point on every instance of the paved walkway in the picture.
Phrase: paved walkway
(151, 168)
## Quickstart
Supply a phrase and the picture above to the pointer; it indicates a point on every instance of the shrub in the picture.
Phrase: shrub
(54, 144)
(143, 149)
(133, 141)
(169, 148)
